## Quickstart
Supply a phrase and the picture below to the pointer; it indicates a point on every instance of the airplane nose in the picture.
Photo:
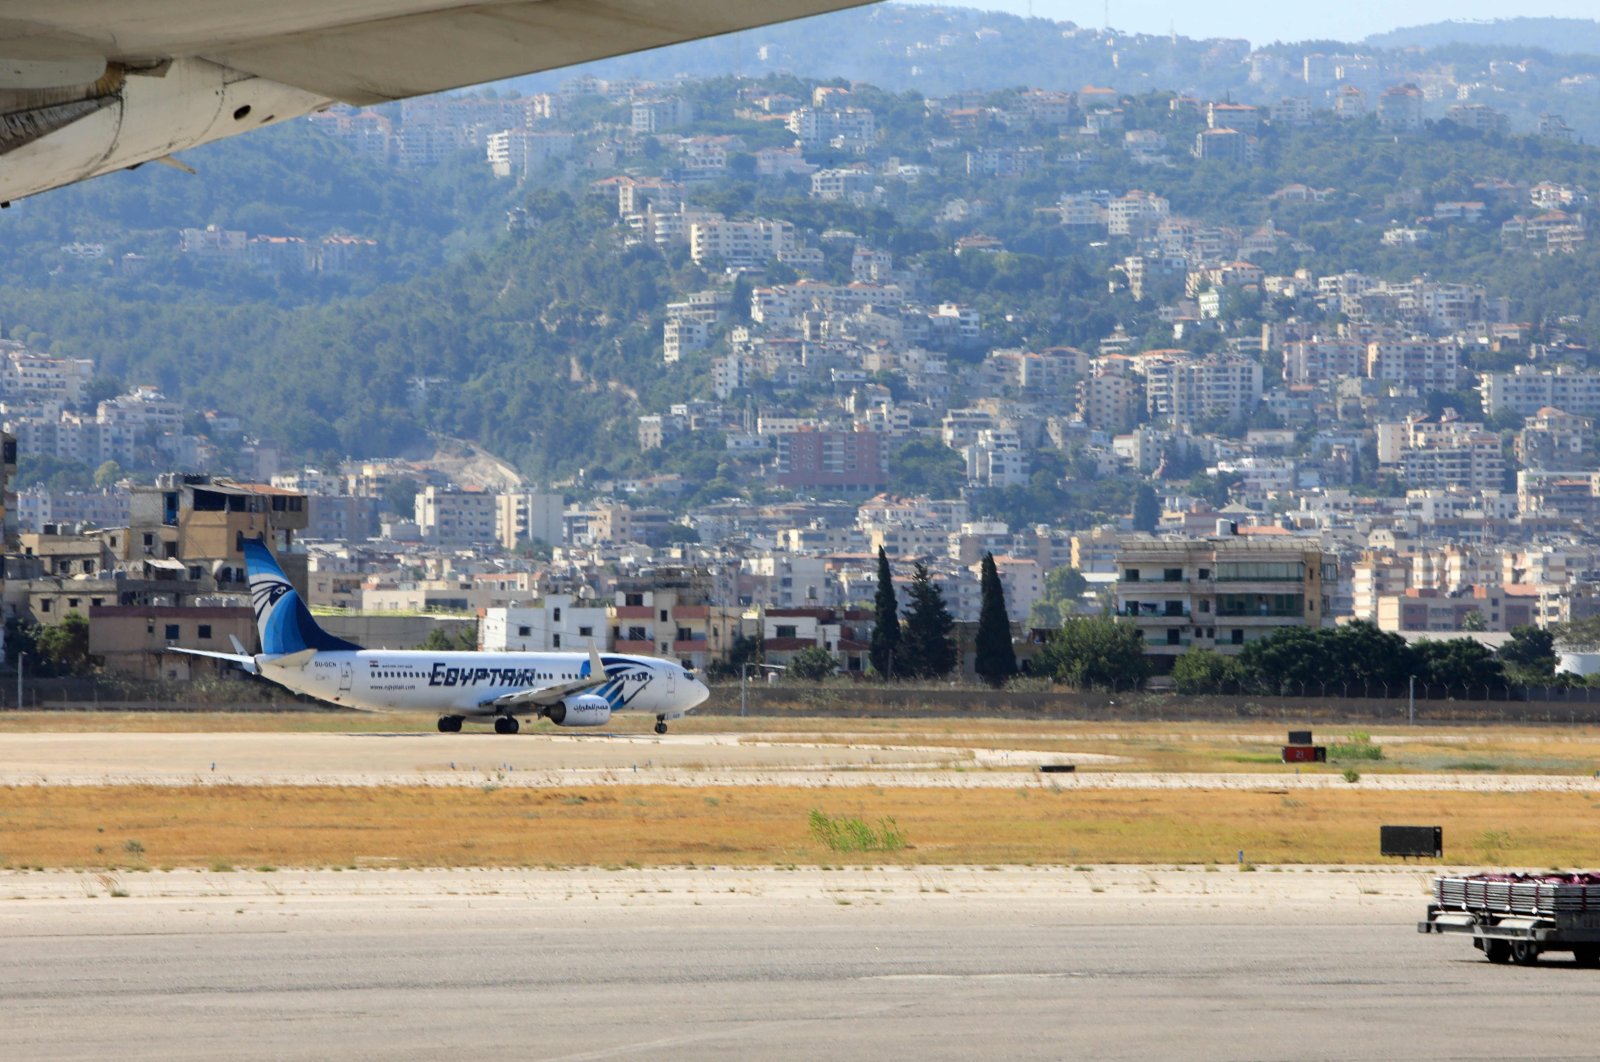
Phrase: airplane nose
(700, 692)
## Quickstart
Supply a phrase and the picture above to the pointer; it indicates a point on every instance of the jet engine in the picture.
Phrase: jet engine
(586, 709)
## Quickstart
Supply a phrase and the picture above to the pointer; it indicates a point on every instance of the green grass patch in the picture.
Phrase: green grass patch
(1472, 765)
(848, 834)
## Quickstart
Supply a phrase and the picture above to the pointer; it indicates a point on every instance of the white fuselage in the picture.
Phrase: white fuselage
(463, 683)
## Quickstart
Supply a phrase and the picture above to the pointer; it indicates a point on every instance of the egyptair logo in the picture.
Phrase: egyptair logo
(266, 593)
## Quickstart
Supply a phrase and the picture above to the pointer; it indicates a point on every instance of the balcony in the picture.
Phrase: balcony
(640, 648)
(1260, 613)
(691, 645)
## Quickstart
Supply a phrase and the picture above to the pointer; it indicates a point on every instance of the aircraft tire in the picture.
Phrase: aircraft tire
(661, 726)
(449, 724)
(506, 724)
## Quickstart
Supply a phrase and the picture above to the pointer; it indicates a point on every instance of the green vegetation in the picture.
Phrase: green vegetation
(812, 665)
(846, 834)
(927, 641)
(1090, 652)
(884, 649)
(996, 660)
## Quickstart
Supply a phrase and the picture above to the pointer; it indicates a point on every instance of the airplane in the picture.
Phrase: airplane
(92, 86)
(569, 689)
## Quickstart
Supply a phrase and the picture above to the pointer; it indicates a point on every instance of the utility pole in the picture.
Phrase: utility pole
(20, 658)
(1411, 714)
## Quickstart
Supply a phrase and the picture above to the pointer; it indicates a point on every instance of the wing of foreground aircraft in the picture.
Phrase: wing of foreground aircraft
(91, 86)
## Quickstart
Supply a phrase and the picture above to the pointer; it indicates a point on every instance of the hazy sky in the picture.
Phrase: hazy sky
(1264, 21)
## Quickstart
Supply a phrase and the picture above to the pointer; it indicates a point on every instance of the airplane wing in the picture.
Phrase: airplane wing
(545, 696)
(89, 86)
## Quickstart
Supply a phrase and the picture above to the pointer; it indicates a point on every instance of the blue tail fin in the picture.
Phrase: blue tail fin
(284, 622)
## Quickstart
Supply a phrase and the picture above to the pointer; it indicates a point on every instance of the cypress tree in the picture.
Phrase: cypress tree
(996, 660)
(928, 647)
(884, 650)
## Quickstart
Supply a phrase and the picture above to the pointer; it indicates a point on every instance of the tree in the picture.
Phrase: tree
(1095, 651)
(812, 665)
(885, 645)
(107, 474)
(440, 640)
(1530, 656)
(1063, 591)
(1458, 662)
(64, 648)
(928, 647)
(1204, 671)
(1474, 621)
(996, 659)
(1146, 509)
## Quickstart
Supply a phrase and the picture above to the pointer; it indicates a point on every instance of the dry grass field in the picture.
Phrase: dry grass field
(222, 828)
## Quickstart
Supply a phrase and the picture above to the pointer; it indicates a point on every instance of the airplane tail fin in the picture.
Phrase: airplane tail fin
(284, 622)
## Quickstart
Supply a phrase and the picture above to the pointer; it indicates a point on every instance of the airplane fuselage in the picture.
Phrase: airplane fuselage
(464, 683)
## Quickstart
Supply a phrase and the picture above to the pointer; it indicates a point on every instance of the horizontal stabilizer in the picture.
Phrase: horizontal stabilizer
(243, 660)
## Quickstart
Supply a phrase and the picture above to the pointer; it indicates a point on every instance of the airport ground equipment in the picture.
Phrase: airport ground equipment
(1518, 917)
(1421, 842)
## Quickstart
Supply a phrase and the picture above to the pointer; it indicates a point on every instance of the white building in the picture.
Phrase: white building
(551, 624)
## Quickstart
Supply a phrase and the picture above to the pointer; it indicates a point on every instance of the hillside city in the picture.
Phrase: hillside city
(1211, 367)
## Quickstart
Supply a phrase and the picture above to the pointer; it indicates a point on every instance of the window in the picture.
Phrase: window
(1172, 636)
(786, 630)
(149, 540)
(585, 632)
(523, 632)
(1174, 608)
(172, 632)
(1238, 636)
(88, 567)
(555, 641)
(1131, 575)
(1259, 571)
(1172, 575)
(555, 616)
(72, 602)
(204, 633)
(638, 634)
(633, 600)
(44, 606)
(1205, 606)
(1205, 573)
(663, 615)
(96, 602)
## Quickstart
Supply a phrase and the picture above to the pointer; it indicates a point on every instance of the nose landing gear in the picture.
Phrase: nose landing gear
(661, 724)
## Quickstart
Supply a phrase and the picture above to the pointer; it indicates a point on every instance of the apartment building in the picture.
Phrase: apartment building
(1220, 593)
(456, 517)
(1528, 389)
(1181, 387)
(740, 244)
(1425, 364)
(554, 623)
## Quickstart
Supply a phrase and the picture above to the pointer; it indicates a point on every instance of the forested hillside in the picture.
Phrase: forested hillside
(544, 344)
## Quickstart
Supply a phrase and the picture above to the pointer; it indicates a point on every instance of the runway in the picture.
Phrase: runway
(737, 964)
(562, 760)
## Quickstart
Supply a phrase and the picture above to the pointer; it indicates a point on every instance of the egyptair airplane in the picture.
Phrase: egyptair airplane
(569, 689)
(92, 86)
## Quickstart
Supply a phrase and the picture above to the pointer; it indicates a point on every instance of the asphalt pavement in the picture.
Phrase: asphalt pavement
(709, 964)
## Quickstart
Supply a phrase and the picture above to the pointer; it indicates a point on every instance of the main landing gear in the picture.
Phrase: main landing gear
(506, 724)
(661, 724)
(449, 724)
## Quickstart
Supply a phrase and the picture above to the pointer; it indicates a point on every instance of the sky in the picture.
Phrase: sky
(1265, 21)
